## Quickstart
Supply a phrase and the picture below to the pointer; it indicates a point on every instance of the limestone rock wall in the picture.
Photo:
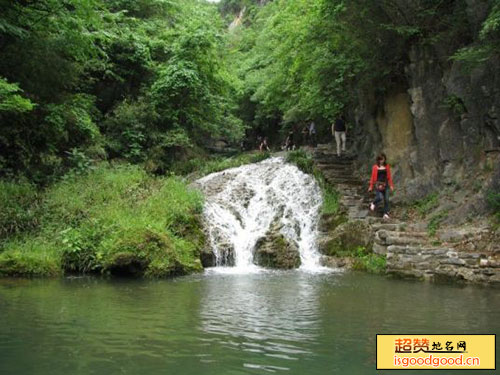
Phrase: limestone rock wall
(440, 129)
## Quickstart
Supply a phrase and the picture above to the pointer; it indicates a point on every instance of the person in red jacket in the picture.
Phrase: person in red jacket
(381, 179)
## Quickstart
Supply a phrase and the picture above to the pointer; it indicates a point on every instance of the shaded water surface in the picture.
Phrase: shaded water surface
(276, 322)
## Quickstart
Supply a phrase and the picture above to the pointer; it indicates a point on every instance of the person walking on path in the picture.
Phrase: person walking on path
(289, 143)
(264, 146)
(305, 136)
(312, 133)
(339, 131)
(381, 179)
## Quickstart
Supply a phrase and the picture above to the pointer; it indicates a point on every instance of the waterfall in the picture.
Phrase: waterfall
(242, 204)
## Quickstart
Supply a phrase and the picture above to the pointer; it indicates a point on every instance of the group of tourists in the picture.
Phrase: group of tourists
(308, 138)
(380, 180)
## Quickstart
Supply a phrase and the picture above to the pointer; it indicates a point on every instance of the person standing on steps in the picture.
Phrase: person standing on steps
(381, 179)
(312, 133)
(339, 131)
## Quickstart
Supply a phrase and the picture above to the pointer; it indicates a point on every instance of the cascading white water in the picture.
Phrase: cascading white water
(242, 204)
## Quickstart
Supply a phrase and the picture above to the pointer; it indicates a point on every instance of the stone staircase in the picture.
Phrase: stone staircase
(338, 172)
(452, 254)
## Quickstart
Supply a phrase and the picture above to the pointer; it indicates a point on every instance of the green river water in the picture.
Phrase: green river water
(270, 322)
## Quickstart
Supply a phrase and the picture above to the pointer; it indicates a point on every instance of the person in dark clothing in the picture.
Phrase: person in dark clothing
(339, 131)
(264, 146)
(289, 144)
(381, 179)
(305, 136)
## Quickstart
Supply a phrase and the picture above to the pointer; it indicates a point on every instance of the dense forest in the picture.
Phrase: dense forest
(149, 88)
(149, 81)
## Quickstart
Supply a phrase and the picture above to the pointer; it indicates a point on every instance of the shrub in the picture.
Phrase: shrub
(493, 199)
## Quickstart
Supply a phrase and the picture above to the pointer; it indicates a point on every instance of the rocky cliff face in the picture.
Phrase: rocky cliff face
(440, 129)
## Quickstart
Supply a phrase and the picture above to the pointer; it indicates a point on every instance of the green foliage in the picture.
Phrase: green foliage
(79, 248)
(435, 222)
(302, 160)
(10, 100)
(368, 261)
(145, 78)
(493, 199)
(109, 220)
(488, 44)
(200, 167)
(426, 205)
(455, 104)
(283, 60)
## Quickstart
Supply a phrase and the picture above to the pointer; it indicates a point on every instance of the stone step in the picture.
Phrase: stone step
(402, 233)
(336, 183)
(352, 198)
(336, 168)
(357, 214)
(427, 250)
(379, 249)
(388, 227)
(325, 159)
(343, 180)
(349, 179)
(376, 219)
(399, 241)
(333, 152)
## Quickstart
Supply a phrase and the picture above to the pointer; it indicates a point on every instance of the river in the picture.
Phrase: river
(284, 322)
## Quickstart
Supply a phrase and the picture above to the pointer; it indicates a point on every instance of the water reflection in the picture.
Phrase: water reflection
(272, 314)
(270, 322)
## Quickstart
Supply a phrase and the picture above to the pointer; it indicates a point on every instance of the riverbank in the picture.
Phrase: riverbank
(115, 219)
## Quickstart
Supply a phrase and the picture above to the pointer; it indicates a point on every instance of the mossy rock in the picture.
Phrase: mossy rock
(208, 258)
(147, 253)
(330, 222)
(127, 264)
(26, 265)
(274, 251)
(347, 238)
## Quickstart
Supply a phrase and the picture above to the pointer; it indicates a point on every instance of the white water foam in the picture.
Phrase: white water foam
(242, 204)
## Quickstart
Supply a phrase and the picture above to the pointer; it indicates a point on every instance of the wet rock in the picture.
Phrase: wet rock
(329, 222)
(208, 258)
(346, 238)
(337, 262)
(225, 255)
(275, 251)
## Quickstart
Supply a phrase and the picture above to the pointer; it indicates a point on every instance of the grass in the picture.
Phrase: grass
(19, 202)
(113, 220)
(306, 164)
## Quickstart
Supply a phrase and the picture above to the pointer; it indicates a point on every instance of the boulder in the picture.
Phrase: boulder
(208, 258)
(346, 238)
(275, 251)
(336, 262)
